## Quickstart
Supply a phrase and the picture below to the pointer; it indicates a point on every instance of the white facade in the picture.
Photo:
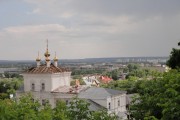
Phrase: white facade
(46, 82)
(90, 80)
(117, 104)
(112, 100)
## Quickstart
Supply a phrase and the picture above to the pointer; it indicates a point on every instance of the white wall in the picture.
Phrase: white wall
(37, 79)
(51, 81)
(60, 79)
(113, 100)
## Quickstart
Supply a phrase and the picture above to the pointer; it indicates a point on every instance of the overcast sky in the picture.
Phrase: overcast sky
(88, 28)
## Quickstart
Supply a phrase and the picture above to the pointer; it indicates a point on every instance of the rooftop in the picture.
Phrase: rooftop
(44, 69)
(99, 93)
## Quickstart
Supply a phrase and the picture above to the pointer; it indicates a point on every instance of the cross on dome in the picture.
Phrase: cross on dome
(47, 54)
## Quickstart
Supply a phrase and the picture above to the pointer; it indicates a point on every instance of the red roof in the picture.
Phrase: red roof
(105, 79)
(44, 69)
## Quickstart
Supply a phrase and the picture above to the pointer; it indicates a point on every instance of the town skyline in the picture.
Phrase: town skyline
(88, 29)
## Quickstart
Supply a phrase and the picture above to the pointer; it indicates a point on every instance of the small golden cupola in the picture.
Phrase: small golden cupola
(38, 60)
(55, 60)
(47, 55)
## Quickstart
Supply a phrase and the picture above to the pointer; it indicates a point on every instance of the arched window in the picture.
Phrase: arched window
(109, 105)
(118, 102)
(42, 86)
(32, 86)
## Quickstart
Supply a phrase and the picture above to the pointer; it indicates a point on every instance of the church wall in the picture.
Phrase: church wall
(60, 79)
(56, 81)
(37, 80)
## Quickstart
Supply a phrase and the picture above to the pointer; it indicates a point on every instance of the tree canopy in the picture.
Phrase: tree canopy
(29, 109)
(174, 60)
(9, 86)
(158, 98)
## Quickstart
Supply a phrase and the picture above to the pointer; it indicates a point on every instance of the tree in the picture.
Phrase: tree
(132, 67)
(29, 109)
(8, 86)
(158, 98)
(115, 74)
(79, 109)
(46, 113)
(174, 60)
(60, 112)
(6, 111)
(103, 115)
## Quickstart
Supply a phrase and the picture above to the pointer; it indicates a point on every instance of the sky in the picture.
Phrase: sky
(78, 29)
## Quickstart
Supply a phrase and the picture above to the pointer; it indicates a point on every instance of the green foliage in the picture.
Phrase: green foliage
(78, 109)
(114, 74)
(126, 85)
(174, 60)
(86, 71)
(29, 109)
(60, 112)
(8, 86)
(158, 98)
(144, 73)
(45, 113)
(13, 75)
(6, 111)
(102, 115)
(132, 67)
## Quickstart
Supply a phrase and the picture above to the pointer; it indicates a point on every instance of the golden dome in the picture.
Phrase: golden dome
(47, 54)
(55, 58)
(38, 58)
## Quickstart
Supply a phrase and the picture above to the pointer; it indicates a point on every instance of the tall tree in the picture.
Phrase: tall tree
(174, 60)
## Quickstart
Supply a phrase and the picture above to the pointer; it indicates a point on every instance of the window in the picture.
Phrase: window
(32, 86)
(118, 102)
(109, 105)
(43, 86)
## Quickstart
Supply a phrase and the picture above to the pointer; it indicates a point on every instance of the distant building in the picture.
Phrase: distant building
(91, 80)
(105, 79)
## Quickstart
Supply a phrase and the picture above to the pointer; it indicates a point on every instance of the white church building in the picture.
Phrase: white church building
(49, 82)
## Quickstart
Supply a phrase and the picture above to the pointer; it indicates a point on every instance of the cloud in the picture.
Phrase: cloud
(138, 8)
(36, 28)
(91, 28)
